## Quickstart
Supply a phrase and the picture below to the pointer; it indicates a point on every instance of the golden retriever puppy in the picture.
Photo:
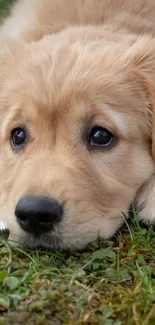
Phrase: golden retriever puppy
(77, 101)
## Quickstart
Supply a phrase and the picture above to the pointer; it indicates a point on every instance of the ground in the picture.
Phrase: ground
(109, 283)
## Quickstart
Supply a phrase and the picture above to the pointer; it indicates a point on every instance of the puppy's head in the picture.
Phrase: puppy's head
(75, 136)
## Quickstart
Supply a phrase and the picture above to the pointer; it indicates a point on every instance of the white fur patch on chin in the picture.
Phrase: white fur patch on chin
(4, 230)
(3, 225)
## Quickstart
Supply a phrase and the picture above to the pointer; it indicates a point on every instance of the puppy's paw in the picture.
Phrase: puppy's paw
(145, 202)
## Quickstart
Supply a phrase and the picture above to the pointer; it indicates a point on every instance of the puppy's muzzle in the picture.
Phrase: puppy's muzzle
(38, 215)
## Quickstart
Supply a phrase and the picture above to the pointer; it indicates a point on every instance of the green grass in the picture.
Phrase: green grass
(109, 283)
(4, 8)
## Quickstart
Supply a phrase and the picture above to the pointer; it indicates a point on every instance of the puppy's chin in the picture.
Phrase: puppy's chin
(20, 238)
(65, 237)
(47, 241)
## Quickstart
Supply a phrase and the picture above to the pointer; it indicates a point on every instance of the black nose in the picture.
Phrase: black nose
(38, 215)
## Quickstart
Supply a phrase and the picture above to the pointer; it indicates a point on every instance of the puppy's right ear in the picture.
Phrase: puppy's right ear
(142, 62)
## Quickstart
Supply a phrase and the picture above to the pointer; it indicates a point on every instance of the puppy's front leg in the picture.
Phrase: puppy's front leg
(145, 201)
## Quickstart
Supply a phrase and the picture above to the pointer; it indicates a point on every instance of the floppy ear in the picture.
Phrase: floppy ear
(142, 54)
(142, 58)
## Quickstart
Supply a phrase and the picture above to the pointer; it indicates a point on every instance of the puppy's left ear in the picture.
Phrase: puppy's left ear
(141, 56)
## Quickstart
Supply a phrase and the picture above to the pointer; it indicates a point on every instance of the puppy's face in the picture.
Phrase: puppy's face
(74, 139)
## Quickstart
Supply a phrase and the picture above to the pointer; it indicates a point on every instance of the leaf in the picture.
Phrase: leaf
(3, 275)
(114, 277)
(110, 271)
(96, 266)
(111, 254)
(4, 302)
(108, 312)
(11, 282)
(140, 259)
(103, 253)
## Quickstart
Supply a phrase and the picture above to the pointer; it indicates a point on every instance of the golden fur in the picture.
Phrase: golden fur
(66, 66)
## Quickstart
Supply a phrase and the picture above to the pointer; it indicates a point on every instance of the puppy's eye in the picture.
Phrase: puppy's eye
(100, 137)
(18, 138)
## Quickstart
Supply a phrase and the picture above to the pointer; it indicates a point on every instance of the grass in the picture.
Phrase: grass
(109, 283)
(4, 8)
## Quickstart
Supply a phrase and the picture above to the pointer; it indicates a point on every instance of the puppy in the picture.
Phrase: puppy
(77, 101)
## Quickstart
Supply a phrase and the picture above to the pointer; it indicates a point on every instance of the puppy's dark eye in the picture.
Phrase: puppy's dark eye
(100, 137)
(18, 138)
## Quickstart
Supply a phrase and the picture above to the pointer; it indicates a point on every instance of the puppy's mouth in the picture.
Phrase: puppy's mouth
(49, 240)
(42, 222)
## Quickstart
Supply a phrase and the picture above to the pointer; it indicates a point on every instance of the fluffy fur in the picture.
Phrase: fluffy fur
(67, 66)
